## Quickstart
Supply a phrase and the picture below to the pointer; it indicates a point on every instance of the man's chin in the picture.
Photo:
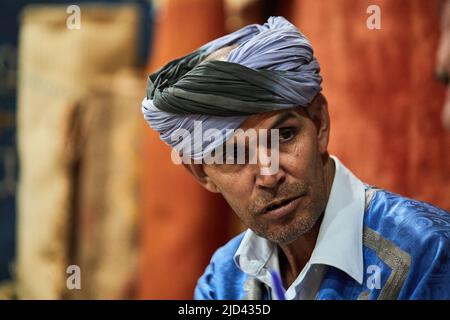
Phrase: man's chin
(287, 234)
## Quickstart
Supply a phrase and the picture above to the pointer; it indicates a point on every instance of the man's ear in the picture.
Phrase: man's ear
(318, 111)
(197, 170)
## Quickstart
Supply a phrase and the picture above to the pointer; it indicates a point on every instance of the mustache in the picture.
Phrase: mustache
(285, 192)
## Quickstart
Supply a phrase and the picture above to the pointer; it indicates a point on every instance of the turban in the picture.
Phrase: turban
(271, 67)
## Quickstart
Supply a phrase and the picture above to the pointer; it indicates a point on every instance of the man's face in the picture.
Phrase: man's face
(287, 204)
(443, 60)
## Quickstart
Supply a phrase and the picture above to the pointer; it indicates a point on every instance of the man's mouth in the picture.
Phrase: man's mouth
(279, 208)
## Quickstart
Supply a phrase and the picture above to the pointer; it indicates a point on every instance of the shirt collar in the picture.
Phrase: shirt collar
(339, 243)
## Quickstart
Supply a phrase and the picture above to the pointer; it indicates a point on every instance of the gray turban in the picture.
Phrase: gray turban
(271, 68)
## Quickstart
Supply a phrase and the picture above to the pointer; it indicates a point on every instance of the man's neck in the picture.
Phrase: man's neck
(294, 256)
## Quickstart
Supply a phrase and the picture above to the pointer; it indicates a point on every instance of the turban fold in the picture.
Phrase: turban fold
(271, 68)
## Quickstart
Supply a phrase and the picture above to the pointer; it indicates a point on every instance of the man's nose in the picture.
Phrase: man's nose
(270, 181)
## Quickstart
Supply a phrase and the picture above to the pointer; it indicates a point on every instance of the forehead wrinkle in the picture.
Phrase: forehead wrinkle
(255, 120)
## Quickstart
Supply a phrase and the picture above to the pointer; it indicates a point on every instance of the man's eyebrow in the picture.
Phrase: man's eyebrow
(282, 118)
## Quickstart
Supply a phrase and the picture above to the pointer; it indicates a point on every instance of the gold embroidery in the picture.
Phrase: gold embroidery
(364, 295)
(397, 259)
(253, 289)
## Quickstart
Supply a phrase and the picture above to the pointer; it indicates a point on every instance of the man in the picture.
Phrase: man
(443, 60)
(310, 220)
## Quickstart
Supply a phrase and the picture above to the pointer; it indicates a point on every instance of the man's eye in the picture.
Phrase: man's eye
(286, 134)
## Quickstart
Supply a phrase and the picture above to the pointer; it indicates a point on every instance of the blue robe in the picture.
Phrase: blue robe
(405, 242)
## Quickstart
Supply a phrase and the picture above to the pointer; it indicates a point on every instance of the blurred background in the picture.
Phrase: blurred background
(84, 181)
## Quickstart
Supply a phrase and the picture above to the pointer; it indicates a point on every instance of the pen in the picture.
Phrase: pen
(278, 285)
